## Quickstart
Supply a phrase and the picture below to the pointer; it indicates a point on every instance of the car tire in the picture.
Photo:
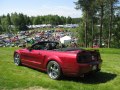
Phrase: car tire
(54, 70)
(17, 59)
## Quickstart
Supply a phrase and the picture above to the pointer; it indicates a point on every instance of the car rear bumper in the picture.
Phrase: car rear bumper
(81, 68)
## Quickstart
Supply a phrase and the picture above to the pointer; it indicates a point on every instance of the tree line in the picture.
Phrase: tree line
(100, 23)
(18, 22)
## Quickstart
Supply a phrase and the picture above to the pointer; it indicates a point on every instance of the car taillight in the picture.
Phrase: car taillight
(88, 56)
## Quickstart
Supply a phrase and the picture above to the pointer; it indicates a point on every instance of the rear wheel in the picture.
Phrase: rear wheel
(54, 70)
(17, 60)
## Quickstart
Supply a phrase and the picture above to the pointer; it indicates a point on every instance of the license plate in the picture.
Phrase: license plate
(94, 67)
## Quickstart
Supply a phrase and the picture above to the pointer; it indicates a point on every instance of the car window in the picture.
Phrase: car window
(37, 47)
(45, 46)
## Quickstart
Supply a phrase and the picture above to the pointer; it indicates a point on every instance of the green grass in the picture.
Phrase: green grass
(14, 77)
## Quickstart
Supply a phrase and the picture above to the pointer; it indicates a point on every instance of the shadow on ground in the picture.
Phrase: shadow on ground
(96, 78)
(101, 77)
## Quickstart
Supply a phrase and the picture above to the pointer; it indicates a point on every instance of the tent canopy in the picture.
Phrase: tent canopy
(65, 39)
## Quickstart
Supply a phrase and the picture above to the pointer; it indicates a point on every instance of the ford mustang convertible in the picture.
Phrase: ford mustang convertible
(58, 61)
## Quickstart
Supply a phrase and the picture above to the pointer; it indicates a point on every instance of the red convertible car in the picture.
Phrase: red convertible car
(46, 56)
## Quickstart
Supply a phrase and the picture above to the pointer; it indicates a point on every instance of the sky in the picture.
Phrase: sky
(40, 7)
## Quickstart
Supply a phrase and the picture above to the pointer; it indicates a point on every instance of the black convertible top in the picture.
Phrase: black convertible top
(69, 49)
(48, 42)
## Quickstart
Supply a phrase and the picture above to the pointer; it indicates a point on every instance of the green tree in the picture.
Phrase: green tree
(5, 24)
(22, 22)
(15, 21)
(9, 22)
(85, 6)
(19, 22)
(116, 34)
(36, 20)
(68, 20)
(111, 4)
(1, 30)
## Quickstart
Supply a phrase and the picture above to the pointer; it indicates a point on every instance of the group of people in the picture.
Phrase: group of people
(31, 37)
(50, 35)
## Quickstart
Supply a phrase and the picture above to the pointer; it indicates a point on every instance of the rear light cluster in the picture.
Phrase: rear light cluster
(88, 56)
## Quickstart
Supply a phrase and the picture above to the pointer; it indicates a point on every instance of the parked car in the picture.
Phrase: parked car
(2, 44)
(47, 56)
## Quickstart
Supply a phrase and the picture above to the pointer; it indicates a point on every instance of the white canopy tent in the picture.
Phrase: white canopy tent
(65, 40)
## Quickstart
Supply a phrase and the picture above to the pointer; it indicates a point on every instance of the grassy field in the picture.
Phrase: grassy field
(19, 78)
